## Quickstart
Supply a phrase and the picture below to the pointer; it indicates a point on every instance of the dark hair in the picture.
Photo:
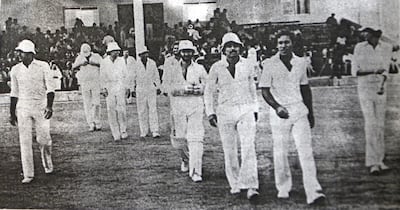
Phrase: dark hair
(285, 33)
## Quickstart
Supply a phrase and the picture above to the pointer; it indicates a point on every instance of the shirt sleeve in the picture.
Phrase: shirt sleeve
(96, 58)
(266, 77)
(14, 83)
(78, 61)
(210, 88)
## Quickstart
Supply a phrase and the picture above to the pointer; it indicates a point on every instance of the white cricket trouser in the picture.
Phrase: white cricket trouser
(147, 111)
(188, 115)
(238, 122)
(299, 126)
(373, 107)
(116, 110)
(91, 105)
(27, 118)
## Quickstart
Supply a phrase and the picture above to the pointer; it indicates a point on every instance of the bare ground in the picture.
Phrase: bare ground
(91, 171)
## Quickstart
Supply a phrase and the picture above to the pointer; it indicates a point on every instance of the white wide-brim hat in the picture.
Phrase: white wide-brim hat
(113, 46)
(26, 46)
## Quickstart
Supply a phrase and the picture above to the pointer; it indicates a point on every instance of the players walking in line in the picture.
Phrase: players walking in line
(32, 96)
(370, 64)
(285, 88)
(115, 83)
(237, 110)
(185, 83)
(88, 76)
(146, 84)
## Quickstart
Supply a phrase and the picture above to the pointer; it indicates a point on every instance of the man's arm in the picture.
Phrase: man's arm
(210, 88)
(307, 99)
(48, 112)
(13, 105)
(269, 98)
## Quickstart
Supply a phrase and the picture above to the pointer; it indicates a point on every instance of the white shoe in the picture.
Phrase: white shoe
(252, 193)
(124, 135)
(48, 170)
(27, 180)
(196, 178)
(384, 167)
(92, 127)
(318, 200)
(283, 195)
(235, 191)
(184, 167)
(374, 170)
(156, 135)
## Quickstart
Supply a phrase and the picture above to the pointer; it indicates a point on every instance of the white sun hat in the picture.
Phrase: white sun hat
(113, 46)
(26, 46)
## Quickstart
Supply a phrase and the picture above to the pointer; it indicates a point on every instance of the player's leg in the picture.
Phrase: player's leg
(302, 137)
(246, 128)
(195, 135)
(228, 134)
(121, 114)
(380, 120)
(96, 107)
(280, 134)
(153, 113)
(44, 139)
(178, 139)
(87, 106)
(25, 123)
(248, 174)
(112, 116)
(143, 115)
(370, 128)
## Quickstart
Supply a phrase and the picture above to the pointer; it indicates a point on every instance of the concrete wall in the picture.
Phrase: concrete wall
(49, 14)
(375, 13)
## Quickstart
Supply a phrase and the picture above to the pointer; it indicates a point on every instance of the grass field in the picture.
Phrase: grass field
(92, 171)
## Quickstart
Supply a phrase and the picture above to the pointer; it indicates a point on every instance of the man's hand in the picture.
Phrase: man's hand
(158, 91)
(104, 93)
(197, 90)
(213, 120)
(127, 93)
(256, 116)
(13, 120)
(282, 112)
(133, 94)
(188, 90)
(165, 94)
(48, 112)
(311, 120)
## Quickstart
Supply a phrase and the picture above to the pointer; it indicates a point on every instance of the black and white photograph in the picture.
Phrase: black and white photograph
(199, 104)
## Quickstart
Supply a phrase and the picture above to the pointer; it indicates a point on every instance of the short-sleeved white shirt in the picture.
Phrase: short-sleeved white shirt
(31, 84)
(284, 84)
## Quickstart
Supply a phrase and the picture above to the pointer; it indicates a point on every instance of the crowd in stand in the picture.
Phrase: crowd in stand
(61, 47)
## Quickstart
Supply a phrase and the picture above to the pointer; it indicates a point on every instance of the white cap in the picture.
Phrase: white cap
(142, 49)
(186, 45)
(230, 37)
(85, 50)
(26, 46)
(113, 46)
